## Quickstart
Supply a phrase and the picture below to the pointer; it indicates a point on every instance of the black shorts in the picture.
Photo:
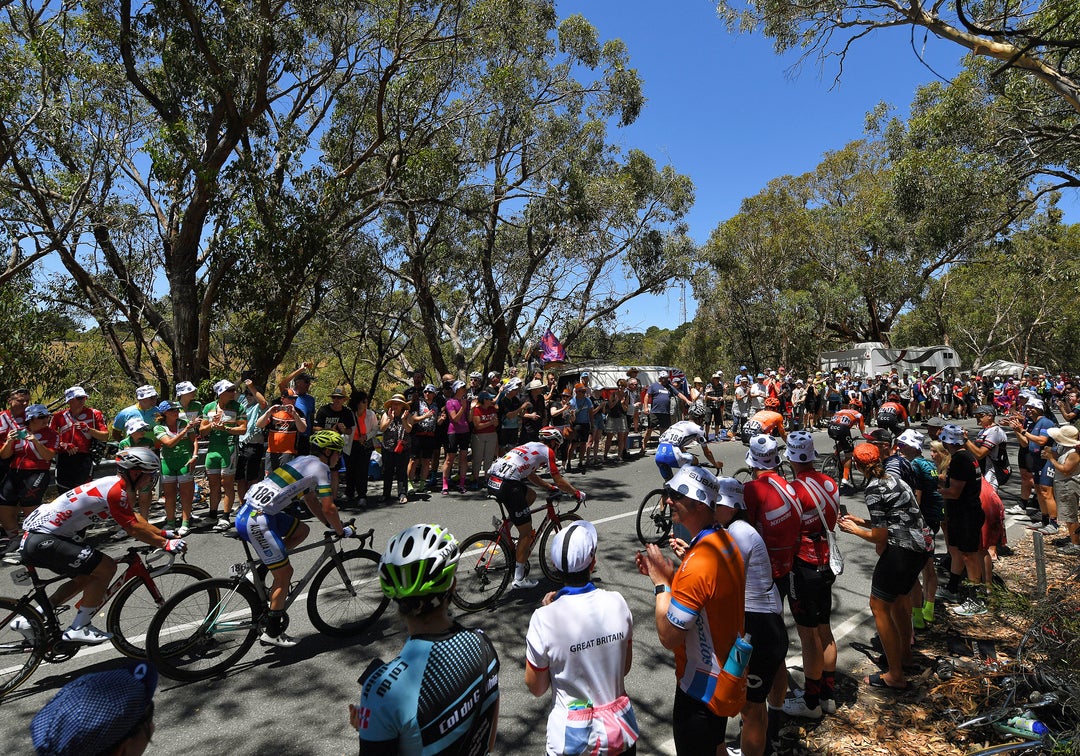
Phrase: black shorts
(423, 446)
(896, 572)
(511, 495)
(249, 462)
(697, 730)
(508, 436)
(660, 420)
(1021, 457)
(769, 638)
(457, 442)
(811, 594)
(73, 470)
(716, 413)
(24, 488)
(783, 585)
(965, 526)
(890, 423)
(1034, 463)
(581, 432)
(60, 555)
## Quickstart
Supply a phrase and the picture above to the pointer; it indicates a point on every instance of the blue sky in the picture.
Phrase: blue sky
(727, 111)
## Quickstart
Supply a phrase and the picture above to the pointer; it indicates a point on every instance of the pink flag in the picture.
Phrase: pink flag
(553, 350)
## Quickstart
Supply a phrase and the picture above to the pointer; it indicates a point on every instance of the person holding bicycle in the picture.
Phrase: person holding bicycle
(440, 695)
(507, 481)
(263, 523)
(670, 449)
(48, 541)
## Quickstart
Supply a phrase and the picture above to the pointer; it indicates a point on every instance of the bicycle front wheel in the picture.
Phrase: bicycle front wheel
(22, 644)
(483, 571)
(549, 531)
(743, 475)
(204, 629)
(345, 596)
(135, 606)
(831, 467)
(858, 480)
(653, 519)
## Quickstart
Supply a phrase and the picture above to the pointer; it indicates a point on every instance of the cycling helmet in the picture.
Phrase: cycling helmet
(328, 440)
(138, 458)
(698, 412)
(419, 561)
(772, 403)
(552, 433)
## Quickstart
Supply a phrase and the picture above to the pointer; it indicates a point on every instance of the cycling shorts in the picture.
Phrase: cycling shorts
(890, 423)
(457, 442)
(249, 462)
(770, 640)
(24, 488)
(173, 473)
(811, 593)
(60, 555)
(221, 462)
(512, 495)
(839, 431)
(422, 446)
(266, 533)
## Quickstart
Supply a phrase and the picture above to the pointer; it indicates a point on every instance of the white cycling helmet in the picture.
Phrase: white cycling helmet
(552, 433)
(419, 561)
(138, 458)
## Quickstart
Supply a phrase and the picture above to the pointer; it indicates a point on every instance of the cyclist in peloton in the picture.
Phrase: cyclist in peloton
(440, 695)
(48, 541)
(892, 413)
(261, 522)
(507, 482)
(767, 422)
(670, 449)
(839, 430)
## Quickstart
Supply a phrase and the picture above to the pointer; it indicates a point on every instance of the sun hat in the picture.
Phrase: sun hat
(731, 494)
(985, 409)
(1065, 435)
(952, 434)
(135, 424)
(534, 384)
(697, 379)
(145, 392)
(867, 454)
(696, 483)
(36, 410)
(911, 438)
(762, 453)
(185, 387)
(395, 399)
(95, 711)
(573, 547)
(74, 392)
(222, 386)
(457, 386)
(800, 447)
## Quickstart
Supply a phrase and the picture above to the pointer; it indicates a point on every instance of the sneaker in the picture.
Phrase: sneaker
(1050, 528)
(461, 488)
(23, 628)
(525, 582)
(445, 490)
(1015, 509)
(403, 499)
(1070, 549)
(970, 608)
(222, 525)
(282, 641)
(185, 529)
(796, 707)
(944, 594)
(86, 634)
(828, 705)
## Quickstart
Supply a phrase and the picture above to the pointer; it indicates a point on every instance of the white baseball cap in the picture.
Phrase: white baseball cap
(74, 393)
(573, 547)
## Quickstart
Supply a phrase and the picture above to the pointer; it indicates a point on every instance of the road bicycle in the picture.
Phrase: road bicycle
(29, 635)
(831, 465)
(207, 627)
(746, 474)
(487, 558)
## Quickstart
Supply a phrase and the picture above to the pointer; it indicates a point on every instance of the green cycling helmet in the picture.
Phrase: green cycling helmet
(328, 439)
(419, 561)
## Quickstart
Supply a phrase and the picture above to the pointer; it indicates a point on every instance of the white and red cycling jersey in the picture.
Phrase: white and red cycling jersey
(91, 502)
(522, 461)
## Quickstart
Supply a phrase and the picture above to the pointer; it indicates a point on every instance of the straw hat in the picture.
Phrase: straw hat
(1065, 435)
(395, 399)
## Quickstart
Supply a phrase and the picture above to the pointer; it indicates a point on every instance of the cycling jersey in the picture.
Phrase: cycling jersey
(298, 476)
(437, 698)
(817, 488)
(773, 508)
(91, 502)
(63, 423)
(848, 418)
(26, 455)
(764, 422)
(682, 433)
(522, 461)
(891, 414)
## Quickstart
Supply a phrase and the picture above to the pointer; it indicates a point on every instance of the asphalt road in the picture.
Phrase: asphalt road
(294, 701)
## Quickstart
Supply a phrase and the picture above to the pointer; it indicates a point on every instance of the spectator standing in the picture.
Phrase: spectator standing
(510, 409)
(77, 428)
(457, 447)
(146, 402)
(590, 711)
(659, 402)
(336, 416)
(932, 506)
(282, 421)
(1065, 460)
(699, 614)
(485, 435)
(190, 409)
(425, 411)
(533, 412)
(224, 422)
(30, 450)
(179, 444)
(961, 489)
(740, 406)
(301, 380)
(616, 427)
(714, 400)
(395, 427)
(251, 451)
(359, 463)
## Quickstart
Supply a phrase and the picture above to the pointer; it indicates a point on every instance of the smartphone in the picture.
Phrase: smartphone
(843, 510)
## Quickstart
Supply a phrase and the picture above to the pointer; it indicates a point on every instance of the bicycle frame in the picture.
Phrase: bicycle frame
(550, 514)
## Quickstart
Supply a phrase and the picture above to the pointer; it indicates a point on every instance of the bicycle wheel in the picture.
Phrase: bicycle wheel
(831, 467)
(134, 607)
(22, 644)
(345, 597)
(204, 629)
(743, 475)
(653, 520)
(858, 480)
(483, 571)
(549, 531)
